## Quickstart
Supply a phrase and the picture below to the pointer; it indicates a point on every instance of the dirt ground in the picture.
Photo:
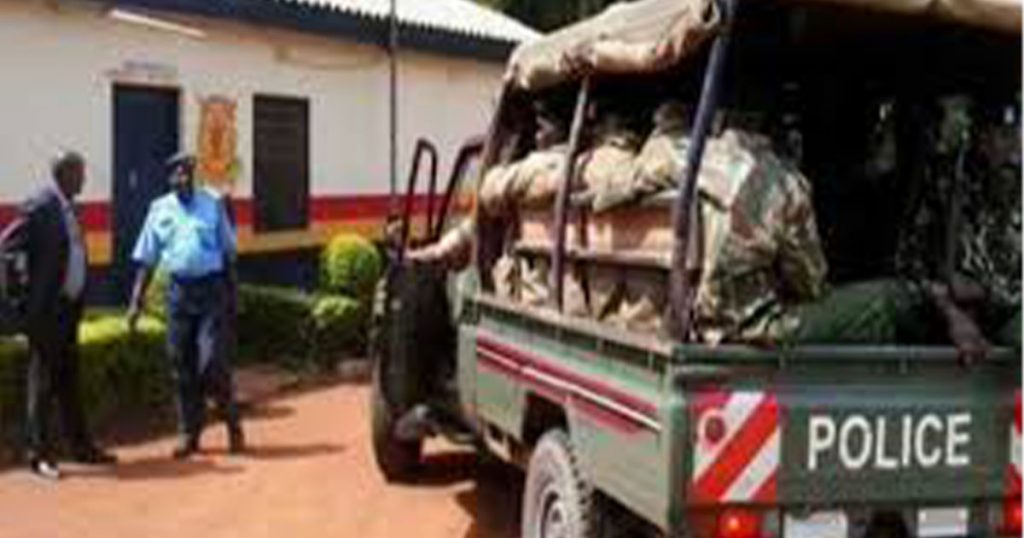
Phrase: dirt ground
(309, 473)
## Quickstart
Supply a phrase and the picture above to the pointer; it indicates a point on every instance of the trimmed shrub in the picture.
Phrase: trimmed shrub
(297, 330)
(156, 296)
(274, 325)
(337, 327)
(119, 372)
(12, 393)
(350, 265)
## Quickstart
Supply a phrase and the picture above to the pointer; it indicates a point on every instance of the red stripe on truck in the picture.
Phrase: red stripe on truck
(593, 398)
(548, 367)
(740, 451)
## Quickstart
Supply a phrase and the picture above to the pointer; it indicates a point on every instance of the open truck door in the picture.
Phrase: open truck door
(415, 352)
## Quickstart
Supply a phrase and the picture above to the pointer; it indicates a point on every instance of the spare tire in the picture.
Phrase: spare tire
(415, 351)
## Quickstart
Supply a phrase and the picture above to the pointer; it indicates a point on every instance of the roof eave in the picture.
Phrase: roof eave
(337, 24)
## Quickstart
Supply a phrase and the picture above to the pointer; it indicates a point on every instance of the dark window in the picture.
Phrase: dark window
(280, 163)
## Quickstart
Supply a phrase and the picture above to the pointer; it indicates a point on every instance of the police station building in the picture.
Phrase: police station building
(286, 102)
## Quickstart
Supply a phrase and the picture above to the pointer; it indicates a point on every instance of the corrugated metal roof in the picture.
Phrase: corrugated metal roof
(454, 16)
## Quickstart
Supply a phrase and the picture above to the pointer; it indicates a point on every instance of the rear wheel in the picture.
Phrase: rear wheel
(557, 501)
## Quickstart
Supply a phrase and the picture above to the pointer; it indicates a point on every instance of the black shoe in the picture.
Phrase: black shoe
(94, 456)
(45, 469)
(236, 440)
(186, 449)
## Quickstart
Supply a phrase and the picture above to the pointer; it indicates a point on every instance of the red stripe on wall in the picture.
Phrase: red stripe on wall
(96, 216)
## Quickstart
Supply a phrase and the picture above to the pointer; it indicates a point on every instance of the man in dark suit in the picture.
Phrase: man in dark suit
(48, 232)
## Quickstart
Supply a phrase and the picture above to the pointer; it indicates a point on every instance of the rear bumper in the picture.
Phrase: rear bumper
(974, 519)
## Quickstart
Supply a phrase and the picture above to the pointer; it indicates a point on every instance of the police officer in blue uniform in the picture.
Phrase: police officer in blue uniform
(188, 235)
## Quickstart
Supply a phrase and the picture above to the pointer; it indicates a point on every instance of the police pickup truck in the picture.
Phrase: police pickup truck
(633, 433)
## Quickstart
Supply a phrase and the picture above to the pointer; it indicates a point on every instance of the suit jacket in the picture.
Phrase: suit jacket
(39, 232)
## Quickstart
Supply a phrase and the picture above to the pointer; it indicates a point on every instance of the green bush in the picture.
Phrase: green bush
(295, 329)
(156, 296)
(273, 325)
(119, 372)
(350, 265)
(12, 393)
(337, 327)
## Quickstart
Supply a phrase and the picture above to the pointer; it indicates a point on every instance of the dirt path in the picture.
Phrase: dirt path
(309, 473)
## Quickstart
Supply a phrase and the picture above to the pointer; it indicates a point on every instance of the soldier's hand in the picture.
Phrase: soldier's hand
(966, 290)
(971, 345)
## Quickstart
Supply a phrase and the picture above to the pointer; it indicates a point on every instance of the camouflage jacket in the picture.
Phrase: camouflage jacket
(988, 241)
(656, 168)
(761, 254)
(530, 182)
(610, 159)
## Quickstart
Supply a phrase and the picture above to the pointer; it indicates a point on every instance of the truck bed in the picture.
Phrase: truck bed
(672, 430)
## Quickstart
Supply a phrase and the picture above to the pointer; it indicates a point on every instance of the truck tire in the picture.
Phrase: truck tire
(396, 459)
(557, 501)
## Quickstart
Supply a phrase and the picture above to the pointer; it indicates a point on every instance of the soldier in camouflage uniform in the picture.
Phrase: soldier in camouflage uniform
(763, 269)
(636, 300)
(659, 162)
(529, 182)
(610, 158)
(761, 254)
(532, 181)
(985, 279)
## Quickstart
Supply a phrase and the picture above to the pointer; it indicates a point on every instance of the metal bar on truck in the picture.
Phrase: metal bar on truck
(431, 192)
(472, 148)
(564, 190)
(681, 281)
(422, 146)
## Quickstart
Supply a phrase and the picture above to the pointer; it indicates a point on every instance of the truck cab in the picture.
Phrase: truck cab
(654, 429)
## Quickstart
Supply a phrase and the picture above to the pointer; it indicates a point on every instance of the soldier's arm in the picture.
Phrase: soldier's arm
(963, 330)
(454, 249)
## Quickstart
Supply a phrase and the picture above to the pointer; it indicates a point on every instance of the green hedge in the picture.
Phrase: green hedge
(350, 265)
(273, 324)
(295, 329)
(119, 371)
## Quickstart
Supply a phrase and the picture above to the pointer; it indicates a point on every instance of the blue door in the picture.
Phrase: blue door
(146, 133)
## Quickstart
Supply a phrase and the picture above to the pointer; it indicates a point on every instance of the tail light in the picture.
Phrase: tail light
(739, 523)
(1011, 517)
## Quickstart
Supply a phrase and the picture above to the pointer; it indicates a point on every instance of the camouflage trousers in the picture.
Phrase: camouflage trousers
(889, 311)
(871, 312)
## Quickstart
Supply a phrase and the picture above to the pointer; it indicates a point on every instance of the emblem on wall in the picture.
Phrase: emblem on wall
(217, 141)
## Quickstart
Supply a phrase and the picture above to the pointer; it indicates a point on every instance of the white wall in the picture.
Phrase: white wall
(60, 60)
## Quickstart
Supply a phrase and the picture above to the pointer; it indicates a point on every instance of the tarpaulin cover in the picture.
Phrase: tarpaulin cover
(650, 35)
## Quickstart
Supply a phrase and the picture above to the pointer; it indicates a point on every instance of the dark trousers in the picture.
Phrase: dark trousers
(53, 379)
(199, 348)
